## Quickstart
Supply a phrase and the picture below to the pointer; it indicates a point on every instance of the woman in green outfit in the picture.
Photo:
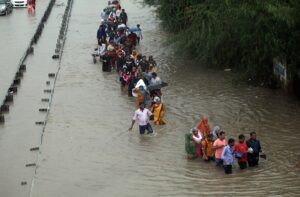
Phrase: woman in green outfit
(193, 143)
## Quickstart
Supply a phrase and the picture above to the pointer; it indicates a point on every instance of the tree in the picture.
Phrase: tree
(242, 34)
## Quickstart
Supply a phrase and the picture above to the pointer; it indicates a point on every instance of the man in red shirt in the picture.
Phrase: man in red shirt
(241, 150)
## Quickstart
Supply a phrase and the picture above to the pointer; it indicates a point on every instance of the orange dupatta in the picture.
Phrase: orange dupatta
(203, 126)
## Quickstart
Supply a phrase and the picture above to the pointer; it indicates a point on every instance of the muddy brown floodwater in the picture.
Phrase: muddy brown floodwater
(87, 150)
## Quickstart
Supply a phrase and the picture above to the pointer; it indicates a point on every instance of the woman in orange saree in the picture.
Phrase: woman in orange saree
(204, 127)
(134, 55)
(141, 95)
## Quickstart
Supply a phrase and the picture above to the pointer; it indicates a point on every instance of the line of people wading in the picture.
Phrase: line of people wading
(118, 50)
(212, 145)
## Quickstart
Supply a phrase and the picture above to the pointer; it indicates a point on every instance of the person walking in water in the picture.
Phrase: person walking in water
(123, 17)
(228, 156)
(193, 143)
(101, 33)
(204, 127)
(218, 146)
(142, 116)
(255, 148)
(241, 150)
(158, 111)
(142, 95)
(31, 6)
(31, 3)
(139, 33)
(207, 148)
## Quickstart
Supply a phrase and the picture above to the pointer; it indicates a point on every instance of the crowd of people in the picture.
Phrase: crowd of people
(118, 50)
(212, 145)
(118, 46)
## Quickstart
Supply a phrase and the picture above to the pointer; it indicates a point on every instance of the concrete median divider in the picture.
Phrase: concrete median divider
(45, 100)
(4, 108)
(13, 89)
(22, 67)
(63, 31)
(2, 119)
(9, 98)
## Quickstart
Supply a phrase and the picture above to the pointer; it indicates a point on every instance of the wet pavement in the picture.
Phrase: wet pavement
(16, 32)
(20, 133)
(86, 148)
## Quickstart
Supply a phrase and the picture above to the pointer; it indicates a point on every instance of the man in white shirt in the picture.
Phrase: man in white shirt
(139, 33)
(155, 80)
(101, 48)
(118, 13)
(142, 116)
(104, 15)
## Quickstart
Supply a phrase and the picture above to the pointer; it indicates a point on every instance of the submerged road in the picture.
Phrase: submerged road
(86, 148)
(16, 32)
(20, 133)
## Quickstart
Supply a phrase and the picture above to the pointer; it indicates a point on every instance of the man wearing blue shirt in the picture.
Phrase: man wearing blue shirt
(227, 156)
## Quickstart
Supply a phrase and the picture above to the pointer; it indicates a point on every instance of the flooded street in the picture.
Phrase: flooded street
(16, 31)
(20, 133)
(86, 148)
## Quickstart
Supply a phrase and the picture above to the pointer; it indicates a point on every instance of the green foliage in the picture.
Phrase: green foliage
(242, 34)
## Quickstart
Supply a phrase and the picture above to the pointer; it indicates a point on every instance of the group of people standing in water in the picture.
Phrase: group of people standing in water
(212, 145)
(118, 50)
